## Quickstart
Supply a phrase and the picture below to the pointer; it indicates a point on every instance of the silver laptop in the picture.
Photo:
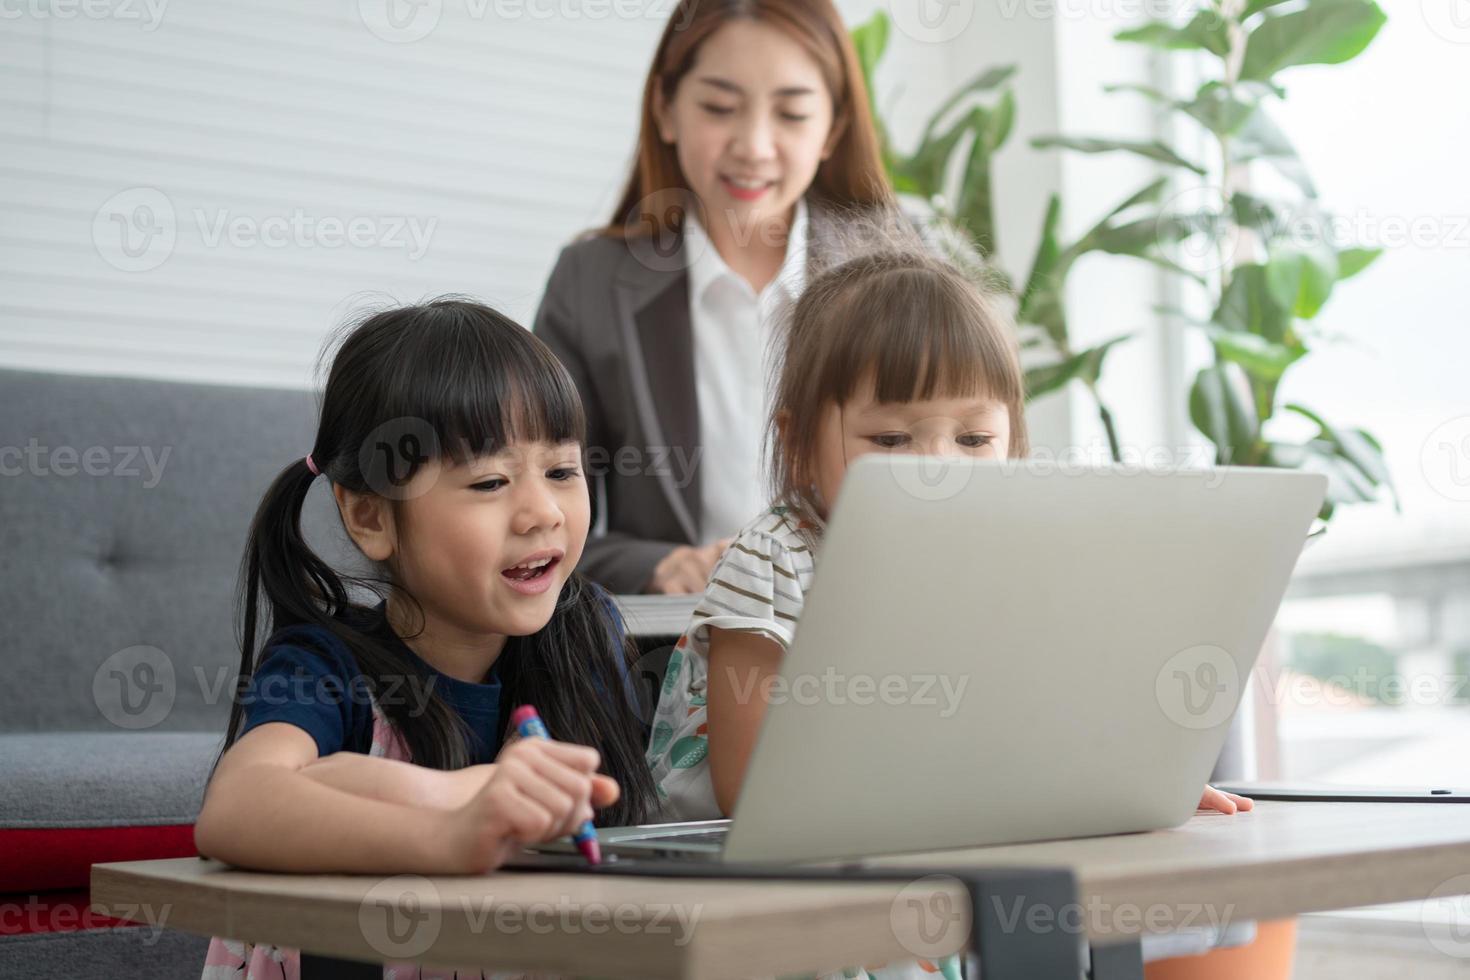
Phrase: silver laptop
(991, 654)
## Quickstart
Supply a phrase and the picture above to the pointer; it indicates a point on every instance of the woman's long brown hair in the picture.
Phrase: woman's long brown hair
(851, 177)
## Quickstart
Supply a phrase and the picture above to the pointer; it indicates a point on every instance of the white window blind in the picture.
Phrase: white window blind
(202, 189)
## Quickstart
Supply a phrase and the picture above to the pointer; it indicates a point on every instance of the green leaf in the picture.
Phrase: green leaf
(1220, 406)
(925, 170)
(1086, 366)
(1041, 300)
(1220, 110)
(1351, 261)
(1256, 214)
(1249, 306)
(974, 207)
(1301, 276)
(1259, 138)
(1153, 150)
(1351, 458)
(1256, 354)
(987, 81)
(1353, 445)
(1160, 260)
(1175, 313)
(1139, 239)
(1345, 482)
(1002, 119)
(1327, 32)
(1206, 31)
(870, 39)
(925, 173)
(1147, 91)
(1256, 6)
(1148, 194)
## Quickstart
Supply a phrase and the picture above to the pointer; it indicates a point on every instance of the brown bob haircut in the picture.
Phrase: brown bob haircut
(910, 322)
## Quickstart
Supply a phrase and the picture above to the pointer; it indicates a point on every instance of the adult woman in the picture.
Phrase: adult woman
(755, 132)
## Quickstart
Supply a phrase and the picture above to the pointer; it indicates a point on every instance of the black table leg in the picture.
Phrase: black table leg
(1020, 926)
(314, 967)
(1118, 961)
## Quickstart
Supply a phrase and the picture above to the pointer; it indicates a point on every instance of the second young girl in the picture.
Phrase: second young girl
(890, 352)
(370, 734)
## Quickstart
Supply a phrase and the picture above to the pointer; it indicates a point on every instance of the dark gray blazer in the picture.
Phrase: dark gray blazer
(617, 315)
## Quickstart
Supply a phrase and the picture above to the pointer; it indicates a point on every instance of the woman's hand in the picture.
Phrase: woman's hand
(1215, 799)
(539, 790)
(686, 569)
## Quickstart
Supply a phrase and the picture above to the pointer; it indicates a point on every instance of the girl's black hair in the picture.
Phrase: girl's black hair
(449, 379)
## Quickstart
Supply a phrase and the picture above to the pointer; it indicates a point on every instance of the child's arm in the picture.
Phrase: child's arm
(261, 811)
(393, 781)
(741, 668)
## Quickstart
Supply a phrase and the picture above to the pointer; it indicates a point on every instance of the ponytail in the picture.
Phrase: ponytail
(300, 588)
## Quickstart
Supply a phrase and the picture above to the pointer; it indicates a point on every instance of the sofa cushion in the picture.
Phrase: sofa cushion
(126, 953)
(122, 524)
(73, 799)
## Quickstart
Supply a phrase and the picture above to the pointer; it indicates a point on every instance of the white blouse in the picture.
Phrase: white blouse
(732, 331)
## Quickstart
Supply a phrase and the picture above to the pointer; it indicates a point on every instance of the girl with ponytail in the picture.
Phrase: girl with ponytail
(369, 729)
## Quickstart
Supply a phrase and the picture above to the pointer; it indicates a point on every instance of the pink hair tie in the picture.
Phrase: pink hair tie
(311, 465)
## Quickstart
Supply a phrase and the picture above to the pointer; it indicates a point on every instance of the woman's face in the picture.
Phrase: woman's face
(751, 122)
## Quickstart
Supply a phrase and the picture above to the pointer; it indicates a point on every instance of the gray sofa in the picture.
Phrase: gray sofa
(123, 511)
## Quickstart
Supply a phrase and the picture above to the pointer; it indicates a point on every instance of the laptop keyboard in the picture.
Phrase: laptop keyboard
(715, 836)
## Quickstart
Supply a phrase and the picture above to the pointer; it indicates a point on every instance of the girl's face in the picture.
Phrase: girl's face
(751, 121)
(972, 427)
(466, 532)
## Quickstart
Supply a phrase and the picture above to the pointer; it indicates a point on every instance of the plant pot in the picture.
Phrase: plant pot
(1269, 957)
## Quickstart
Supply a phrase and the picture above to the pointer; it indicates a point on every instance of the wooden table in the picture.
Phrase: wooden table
(1280, 860)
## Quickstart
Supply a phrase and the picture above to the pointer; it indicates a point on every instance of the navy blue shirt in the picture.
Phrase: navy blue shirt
(309, 678)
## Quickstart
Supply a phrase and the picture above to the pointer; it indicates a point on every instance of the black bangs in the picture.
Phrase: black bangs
(459, 380)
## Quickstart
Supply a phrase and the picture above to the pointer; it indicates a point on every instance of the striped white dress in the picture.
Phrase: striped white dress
(759, 585)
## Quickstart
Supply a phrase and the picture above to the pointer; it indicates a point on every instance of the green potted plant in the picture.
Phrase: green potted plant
(1273, 264)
